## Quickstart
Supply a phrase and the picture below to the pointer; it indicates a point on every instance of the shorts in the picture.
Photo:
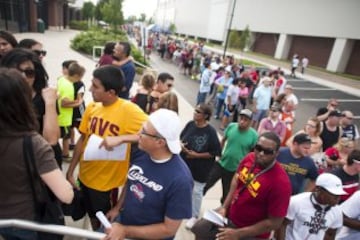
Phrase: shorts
(259, 115)
(228, 112)
(95, 200)
(65, 132)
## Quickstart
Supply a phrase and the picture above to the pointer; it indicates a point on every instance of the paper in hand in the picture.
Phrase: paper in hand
(94, 153)
(215, 217)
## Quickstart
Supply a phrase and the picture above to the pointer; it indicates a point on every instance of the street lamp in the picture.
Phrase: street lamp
(229, 29)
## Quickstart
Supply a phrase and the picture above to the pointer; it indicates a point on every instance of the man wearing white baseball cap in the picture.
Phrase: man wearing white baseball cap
(315, 215)
(158, 192)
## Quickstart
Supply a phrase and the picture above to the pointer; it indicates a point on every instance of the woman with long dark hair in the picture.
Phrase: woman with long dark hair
(43, 97)
(17, 120)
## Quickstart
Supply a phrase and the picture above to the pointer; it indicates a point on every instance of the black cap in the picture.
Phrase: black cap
(302, 138)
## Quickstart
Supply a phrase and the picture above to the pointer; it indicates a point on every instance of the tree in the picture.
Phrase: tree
(112, 12)
(131, 19)
(99, 5)
(88, 10)
(172, 28)
(245, 38)
(142, 17)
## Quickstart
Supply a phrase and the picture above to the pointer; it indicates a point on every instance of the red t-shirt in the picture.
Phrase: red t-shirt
(267, 195)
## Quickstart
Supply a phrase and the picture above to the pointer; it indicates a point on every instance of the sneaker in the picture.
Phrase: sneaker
(190, 223)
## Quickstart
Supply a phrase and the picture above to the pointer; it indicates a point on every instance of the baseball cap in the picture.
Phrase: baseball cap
(335, 113)
(167, 124)
(331, 183)
(246, 112)
(288, 86)
(302, 138)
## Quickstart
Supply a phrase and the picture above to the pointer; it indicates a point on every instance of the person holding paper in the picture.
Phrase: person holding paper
(107, 116)
(259, 194)
(157, 195)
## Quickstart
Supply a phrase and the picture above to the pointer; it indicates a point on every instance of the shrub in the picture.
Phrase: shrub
(85, 41)
(79, 25)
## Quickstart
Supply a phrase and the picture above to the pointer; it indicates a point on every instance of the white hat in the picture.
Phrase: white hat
(167, 124)
(331, 183)
(214, 66)
(228, 68)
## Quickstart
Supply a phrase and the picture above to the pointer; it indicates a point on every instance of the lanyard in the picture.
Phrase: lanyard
(250, 179)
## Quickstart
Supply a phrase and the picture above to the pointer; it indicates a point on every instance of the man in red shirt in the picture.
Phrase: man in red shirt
(259, 195)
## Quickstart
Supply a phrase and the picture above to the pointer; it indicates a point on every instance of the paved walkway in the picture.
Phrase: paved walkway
(57, 43)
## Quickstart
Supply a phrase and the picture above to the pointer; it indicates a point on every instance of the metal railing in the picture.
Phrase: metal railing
(48, 228)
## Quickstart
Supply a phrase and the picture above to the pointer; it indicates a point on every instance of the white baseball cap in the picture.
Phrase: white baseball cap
(331, 183)
(167, 124)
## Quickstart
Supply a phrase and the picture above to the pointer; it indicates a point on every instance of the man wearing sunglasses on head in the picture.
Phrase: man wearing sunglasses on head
(164, 83)
(297, 163)
(259, 195)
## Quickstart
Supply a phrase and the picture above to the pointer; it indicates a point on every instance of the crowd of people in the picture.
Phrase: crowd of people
(275, 183)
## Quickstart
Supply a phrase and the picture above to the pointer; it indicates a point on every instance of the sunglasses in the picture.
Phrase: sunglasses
(29, 73)
(40, 52)
(309, 125)
(143, 132)
(266, 151)
(198, 111)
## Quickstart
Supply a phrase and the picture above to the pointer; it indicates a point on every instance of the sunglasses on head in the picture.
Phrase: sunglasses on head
(266, 151)
(29, 73)
(40, 52)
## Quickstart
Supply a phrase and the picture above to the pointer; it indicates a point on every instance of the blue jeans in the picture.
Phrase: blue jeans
(197, 196)
(11, 233)
(201, 97)
(219, 106)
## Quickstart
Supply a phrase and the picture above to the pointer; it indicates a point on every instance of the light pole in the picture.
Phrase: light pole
(229, 28)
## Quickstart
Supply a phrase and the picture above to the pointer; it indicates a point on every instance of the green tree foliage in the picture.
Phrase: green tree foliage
(88, 10)
(172, 28)
(112, 12)
(131, 19)
(142, 17)
(239, 40)
(245, 38)
(99, 5)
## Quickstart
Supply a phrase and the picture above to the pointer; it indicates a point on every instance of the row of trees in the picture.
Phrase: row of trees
(109, 11)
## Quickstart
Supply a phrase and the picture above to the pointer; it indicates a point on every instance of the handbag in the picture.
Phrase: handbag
(47, 206)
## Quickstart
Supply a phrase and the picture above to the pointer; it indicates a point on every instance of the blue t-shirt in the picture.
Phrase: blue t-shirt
(298, 169)
(129, 74)
(155, 190)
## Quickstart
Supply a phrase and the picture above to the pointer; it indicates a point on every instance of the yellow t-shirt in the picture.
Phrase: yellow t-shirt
(121, 118)
(65, 90)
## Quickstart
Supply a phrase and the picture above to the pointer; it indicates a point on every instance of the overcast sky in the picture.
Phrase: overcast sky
(136, 7)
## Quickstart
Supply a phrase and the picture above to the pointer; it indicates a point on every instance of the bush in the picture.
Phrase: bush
(85, 41)
(79, 25)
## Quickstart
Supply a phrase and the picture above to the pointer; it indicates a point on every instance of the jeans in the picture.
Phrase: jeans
(219, 106)
(215, 174)
(197, 196)
(11, 233)
(201, 97)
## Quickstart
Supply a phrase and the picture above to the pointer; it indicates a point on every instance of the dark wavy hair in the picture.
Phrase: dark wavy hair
(17, 56)
(9, 38)
(17, 113)
(27, 43)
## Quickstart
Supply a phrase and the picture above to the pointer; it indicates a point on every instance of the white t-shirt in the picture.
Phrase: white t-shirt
(303, 219)
(351, 208)
(233, 92)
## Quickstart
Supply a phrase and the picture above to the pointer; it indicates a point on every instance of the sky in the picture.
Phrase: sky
(136, 7)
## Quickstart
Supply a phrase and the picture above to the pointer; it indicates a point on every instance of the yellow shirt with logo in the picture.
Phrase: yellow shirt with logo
(120, 118)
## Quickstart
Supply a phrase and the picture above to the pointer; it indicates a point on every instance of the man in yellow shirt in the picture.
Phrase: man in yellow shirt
(107, 116)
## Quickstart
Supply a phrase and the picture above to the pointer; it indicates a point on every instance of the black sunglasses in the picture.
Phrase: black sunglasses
(266, 151)
(29, 73)
(198, 111)
(40, 52)
(143, 132)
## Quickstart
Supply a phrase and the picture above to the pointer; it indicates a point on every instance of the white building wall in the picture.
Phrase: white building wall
(322, 18)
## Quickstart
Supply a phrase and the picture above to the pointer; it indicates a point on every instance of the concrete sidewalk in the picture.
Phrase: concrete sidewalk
(57, 44)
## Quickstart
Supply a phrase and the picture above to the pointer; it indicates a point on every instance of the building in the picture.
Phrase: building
(22, 15)
(325, 31)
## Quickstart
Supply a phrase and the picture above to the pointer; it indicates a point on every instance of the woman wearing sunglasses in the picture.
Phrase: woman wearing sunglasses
(33, 45)
(43, 97)
(200, 146)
